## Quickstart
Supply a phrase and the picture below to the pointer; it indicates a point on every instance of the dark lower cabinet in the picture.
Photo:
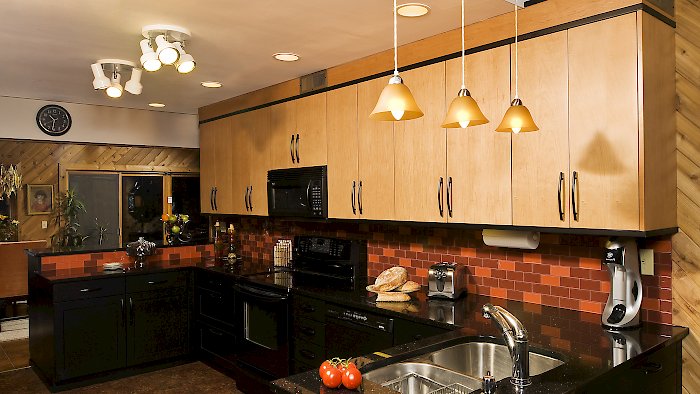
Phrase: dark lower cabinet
(90, 336)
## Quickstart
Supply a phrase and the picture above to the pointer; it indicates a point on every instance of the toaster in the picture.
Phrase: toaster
(446, 280)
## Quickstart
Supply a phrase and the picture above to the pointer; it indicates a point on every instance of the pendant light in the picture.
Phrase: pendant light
(396, 101)
(463, 111)
(517, 118)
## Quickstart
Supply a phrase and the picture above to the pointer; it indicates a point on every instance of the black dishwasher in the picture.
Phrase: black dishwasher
(352, 333)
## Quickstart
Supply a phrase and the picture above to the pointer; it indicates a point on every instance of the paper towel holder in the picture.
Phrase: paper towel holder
(511, 238)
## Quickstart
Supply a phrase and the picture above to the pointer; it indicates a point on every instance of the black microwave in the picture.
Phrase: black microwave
(298, 192)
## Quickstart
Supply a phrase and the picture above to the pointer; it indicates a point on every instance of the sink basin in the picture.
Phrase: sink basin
(477, 358)
(419, 378)
(461, 366)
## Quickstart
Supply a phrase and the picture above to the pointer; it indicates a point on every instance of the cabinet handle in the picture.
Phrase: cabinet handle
(439, 196)
(308, 354)
(216, 195)
(250, 198)
(291, 148)
(211, 198)
(215, 332)
(245, 198)
(307, 331)
(359, 198)
(352, 197)
(157, 282)
(297, 149)
(559, 197)
(308, 308)
(87, 290)
(449, 196)
(651, 367)
(574, 195)
(123, 313)
(131, 309)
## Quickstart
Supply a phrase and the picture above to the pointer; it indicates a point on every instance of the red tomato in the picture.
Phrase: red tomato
(324, 367)
(351, 365)
(352, 378)
(332, 377)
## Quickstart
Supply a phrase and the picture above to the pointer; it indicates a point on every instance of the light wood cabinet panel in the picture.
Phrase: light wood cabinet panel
(376, 155)
(257, 125)
(311, 127)
(240, 164)
(224, 151)
(207, 163)
(283, 128)
(341, 127)
(540, 158)
(420, 150)
(603, 124)
(478, 158)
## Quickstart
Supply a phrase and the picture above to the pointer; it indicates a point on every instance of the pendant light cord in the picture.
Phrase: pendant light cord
(463, 85)
(516, 51)
(396, 61)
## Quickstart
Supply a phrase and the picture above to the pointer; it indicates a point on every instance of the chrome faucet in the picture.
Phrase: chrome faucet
(515, 335)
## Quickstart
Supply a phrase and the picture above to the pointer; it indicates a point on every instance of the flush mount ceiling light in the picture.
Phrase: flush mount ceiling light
(211, 84)
(517, 118)
(413, 10)
(156, 105)
(112, 84)
(463, 111)
(396, 101)
(286, 56)
(169, 42)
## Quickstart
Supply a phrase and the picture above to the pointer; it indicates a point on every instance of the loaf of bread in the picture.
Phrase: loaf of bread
(409, 287)
(391, 279)
(393, 297)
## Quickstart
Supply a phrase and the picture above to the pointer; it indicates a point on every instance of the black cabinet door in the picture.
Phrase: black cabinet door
(158, 325)
(90, 336)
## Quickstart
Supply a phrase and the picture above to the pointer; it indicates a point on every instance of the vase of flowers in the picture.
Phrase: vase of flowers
(176, 228)
(8, 229)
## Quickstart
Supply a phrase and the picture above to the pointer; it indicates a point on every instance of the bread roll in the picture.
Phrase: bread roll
(394, 297)
(409, 287)
(391, 279)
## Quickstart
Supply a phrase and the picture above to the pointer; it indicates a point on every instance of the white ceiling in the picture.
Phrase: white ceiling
(48, 46)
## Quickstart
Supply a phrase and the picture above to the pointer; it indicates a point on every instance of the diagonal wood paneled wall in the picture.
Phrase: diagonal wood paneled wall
(686, 244)
(39, 164)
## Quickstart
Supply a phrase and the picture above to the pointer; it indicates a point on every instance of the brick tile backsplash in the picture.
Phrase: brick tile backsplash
(564, 271)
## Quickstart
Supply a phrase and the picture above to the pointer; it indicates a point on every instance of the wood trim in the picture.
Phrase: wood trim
(539, 19)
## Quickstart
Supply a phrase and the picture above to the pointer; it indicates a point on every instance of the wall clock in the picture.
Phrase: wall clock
(53, 120)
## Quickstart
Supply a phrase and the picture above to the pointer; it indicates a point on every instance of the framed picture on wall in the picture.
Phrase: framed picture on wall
(39, 199)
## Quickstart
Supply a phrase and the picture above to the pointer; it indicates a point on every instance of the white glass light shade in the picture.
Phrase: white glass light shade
(115, 90)
(101, 81)
(186, 62)
(149, 59)
(133, 85)
(167, 53)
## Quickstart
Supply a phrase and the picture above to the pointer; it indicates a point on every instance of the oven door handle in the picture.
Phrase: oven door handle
(260, 295)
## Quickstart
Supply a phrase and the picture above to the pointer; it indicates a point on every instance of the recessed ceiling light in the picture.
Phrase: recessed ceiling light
(157, 105)
(211, 84)
(412, 10)
(286, 56)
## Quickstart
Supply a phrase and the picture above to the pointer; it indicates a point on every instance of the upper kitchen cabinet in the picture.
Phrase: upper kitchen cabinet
(621, 125)
(541, 159)
(298, 132)
(216, 166)
(375, 190)
(420, 150)
(478, 158)
(257, 129)
(343, 170)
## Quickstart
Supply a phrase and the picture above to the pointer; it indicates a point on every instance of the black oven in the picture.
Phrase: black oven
(298, 192)
(263, 329)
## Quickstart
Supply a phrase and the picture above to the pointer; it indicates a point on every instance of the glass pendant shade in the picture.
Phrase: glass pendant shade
(396, 103)
(517, 119)
(464, 112)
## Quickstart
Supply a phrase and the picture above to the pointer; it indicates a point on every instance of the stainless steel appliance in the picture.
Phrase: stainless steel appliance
(625, 299)
(446, 280)
(298, 192)
(351, 333)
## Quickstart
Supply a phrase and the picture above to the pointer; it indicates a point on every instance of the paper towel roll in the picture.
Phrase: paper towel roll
(512, 239)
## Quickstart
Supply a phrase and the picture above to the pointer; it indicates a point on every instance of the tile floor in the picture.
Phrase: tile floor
(14, 354)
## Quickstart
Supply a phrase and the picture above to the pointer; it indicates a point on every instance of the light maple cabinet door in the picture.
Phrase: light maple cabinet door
(479, 158)
(376, 155)
(541, 159)
(257, 125)
(283, 131)
(310, 138)
(341, 128)
(207, 163)
(240, 165)
(603, 124)
(224, 153)
(420, 150)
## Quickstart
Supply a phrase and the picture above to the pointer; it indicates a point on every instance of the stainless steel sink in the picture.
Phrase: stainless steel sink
(419, 378)
(477, 358)
(461, 366)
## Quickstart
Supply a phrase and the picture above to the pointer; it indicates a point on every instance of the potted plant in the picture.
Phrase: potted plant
(8, 229)
(65, 215)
